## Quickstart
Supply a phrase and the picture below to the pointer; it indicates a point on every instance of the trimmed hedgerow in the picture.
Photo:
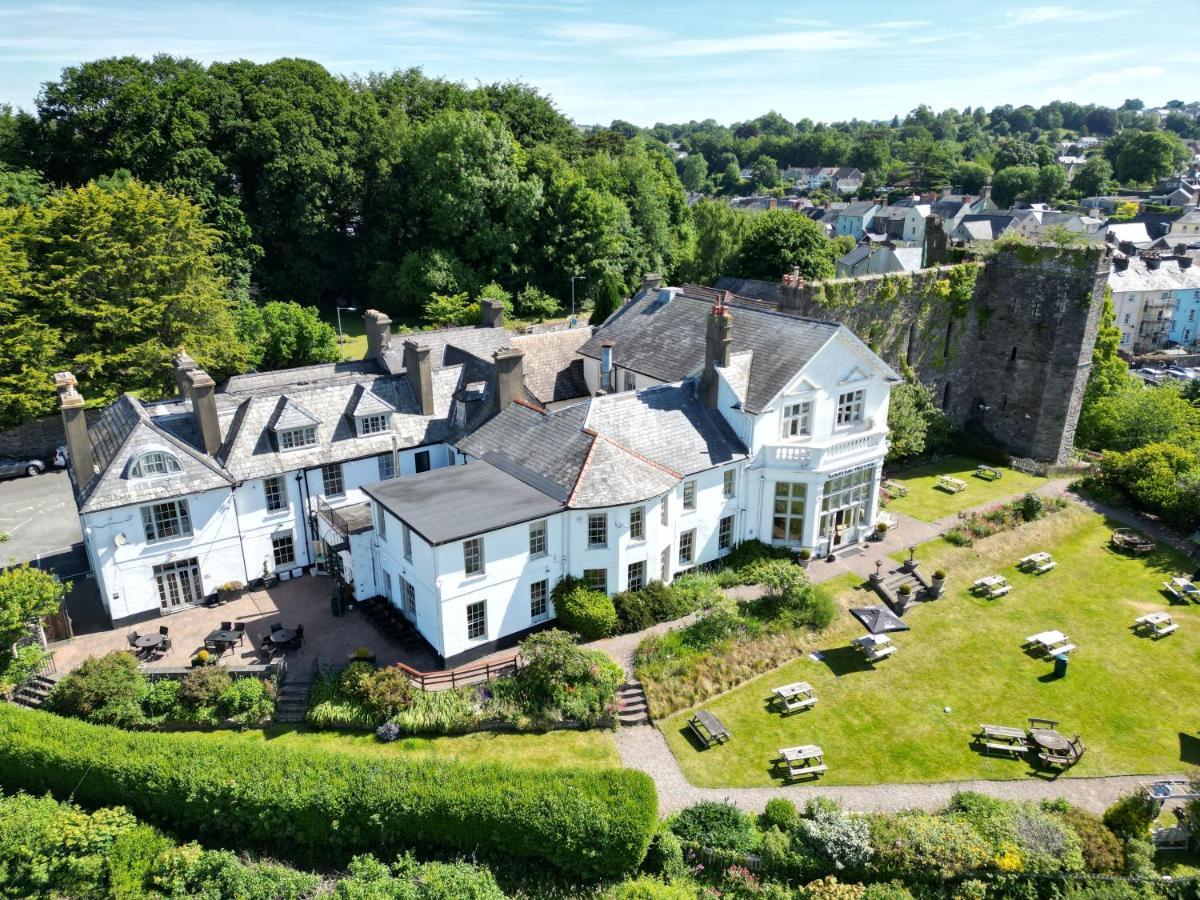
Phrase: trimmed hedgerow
(322, 807)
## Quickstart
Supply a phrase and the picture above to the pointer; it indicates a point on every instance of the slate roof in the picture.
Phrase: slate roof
(859, 208)
(457, 502)
(1167, 277)
(665, 340)
(449, 346)
(984, 226)
(553, 366)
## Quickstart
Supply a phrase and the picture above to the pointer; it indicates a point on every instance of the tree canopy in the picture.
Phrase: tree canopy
(778, 240)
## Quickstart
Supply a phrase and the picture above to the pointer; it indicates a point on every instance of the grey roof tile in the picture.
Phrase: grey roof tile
(553, 366)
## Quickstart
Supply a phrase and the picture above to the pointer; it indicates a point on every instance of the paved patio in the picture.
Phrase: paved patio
(301, 601)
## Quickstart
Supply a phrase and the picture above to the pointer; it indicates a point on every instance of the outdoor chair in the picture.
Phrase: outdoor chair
(132, 638)
(276, 626)
(227, 626)
(163, 630)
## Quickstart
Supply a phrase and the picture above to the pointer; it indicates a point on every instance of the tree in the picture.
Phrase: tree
(1014, 183)
(731, 178)
(1051, 182)
(536, 304)
(778, 240)
(447, 310)
(1147, 156)
(1101, 121)
(765, 172)
(1014, 153)
(970, 177)
(282, 335)
(719, 233)
(1094, 179)
(608, 299)
(693, 169)
(1134, 415)
(1109, 374)
(915, 422)
(26, 595)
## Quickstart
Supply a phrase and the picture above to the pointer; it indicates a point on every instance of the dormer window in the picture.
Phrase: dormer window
(295, 438)
(797, 419)
(373, 424)
(154, 463)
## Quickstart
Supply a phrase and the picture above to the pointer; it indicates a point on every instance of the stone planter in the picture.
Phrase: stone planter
(228, 596)
(936, 585)
(803, 561)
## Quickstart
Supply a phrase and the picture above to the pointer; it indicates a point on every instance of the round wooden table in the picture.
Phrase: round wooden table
(147, 641)
(1050, 740)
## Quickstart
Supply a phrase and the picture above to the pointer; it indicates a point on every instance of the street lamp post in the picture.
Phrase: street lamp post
(574, 278)
(342, 337)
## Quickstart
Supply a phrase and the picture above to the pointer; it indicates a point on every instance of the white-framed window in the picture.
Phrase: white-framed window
(664, 510)
(596, 580)
(476, 620)
(381, 521)
(787, 523)
(473, 556)
(635, 576)
(850, 407)
(164, 521)
(410, 598)
(687, 547)
(387, 467)
(406, 535)
(664, 565)
(154, 463)
(725, 533)
(283, 549)
(539, 601)
(373, 424)
(332, 481)
(637, 523)
(729, 484)
(630, 381)
(537, 538)
(689, 495)
(597, 532)
(295, 438)
(275, 493)
(797, 419)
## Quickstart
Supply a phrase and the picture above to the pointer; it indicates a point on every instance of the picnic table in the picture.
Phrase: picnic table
(708, 728)
(988, 473)
(1055, 749)
(895, 488)
(1051, 642)
(1039, 563)
(1155, 624)
(1182, 588)
(875, 646)
(795, 696)
(951, 484)
(1003, 739)
(1131, 541)
(149, 641)
(992, 585)
(220, 639)
(802, 762)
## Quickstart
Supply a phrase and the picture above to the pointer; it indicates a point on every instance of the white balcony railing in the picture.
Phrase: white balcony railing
(810, 456)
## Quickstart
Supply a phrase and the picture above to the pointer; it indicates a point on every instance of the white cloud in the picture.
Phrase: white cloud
(790, 41)
(902, 25)
(604, 33)
(1038, 15)
(1131, 73)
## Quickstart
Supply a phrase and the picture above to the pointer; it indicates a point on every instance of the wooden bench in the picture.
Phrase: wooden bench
(1002, 739)
(708, 728)
(1013, 750)
(1047, 724)
(951, 484)
(998, 590)
(1045, 567)
(1164, 631)
(987, 473)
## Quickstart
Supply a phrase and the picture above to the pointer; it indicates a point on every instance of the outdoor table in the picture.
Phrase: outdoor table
(1154, 618)
(148, 641)
(1155, 624)
(988, 472)
(221, 640)
(989, 581)
(951, 484)
(1182, 588)
(1052, 642)
(1050, 741)
(282, 636)
(1034, 559)
(800, 761)
(875, 646)
(797, 695)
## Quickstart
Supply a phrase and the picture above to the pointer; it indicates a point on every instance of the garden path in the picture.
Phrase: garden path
(643, 747)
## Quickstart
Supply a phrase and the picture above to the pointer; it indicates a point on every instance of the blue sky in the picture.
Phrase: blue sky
(654, 61)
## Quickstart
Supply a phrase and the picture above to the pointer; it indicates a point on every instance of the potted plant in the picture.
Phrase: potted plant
(937, 584)
(362, 654)
(804, 556)
(268, 577)
(201, 659)
(881, 529)
(905, 592)
(228, 591)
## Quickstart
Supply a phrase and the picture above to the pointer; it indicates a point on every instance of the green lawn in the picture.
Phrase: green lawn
(555, 748)
(930, 503)
(1131, 699)
(353, 330)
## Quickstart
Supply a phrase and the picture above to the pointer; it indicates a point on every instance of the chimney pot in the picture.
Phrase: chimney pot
(418, 367)
(491, 314)
(183, 364)
(1185, 262)
(510, 375)
(204, 409)
(79, 445)
(379, 334)
(718, 341)
(1120, 263)
(650, 281)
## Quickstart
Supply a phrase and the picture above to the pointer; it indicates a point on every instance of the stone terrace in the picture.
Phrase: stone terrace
(301, 601)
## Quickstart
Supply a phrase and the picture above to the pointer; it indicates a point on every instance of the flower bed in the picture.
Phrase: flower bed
(1003, 517)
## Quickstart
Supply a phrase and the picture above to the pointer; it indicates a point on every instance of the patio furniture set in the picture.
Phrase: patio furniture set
(281, 640)
(892, 489)
(1155, 625)
(1053, 750)
(390, 622)
(222, 640)
(152, 645)
(1182, 589)
(988, 473)
(993, 586)
(878, 620)
(806, 760)
(1128, 540)
(1037, 563)
(874, 647)
(1050, 643)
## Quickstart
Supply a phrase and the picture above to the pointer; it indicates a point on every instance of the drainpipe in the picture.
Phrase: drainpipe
(238, 518)
(306, 501)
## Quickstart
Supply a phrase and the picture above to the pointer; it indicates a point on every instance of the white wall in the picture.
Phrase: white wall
(258, 525)
(124, 574)
(421, 573)
(591, 375)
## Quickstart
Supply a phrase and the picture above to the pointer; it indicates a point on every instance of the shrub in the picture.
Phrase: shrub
(162, 700)
(831, 889)
(904, 590)
(1130, 816)
(106, 690)
(1102, 850)
(633, 611)
(354, 680)
(589, 614)
(779, 813)
(559, 680)
(588, 823)
(386, 691)
(247, 701)
(665, 856)
(1030, 506)
(200, 688)
(835, 840)
(776, 853)
(367, 877)
(939, 574)
(1023, 837)
(441, 712)
(646, 888)
(1139, 858)
(718, 825)
(714, 627)
(926, 846)
(387, 732)
(329, 707)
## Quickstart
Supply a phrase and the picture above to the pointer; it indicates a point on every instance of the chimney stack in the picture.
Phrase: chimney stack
(204, 409)
(1185, 262)
(79, 445)
(718, 340)
(183, 364)
(491, 314)
(510, 375)
(651, 281)
(379, 333)
(1152, 260)
(1120, 263)
(419, 367)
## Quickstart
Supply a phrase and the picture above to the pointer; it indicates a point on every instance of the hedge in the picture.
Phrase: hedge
(317, 807)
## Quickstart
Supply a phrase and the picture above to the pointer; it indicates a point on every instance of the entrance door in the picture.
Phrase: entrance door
(178, 584)
(839, 522)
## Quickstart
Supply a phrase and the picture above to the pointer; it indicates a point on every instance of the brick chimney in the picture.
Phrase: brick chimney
(79, 445)
(379, 333)
(717, 343)
(1120, 263)
(510, 376)
(204, 409)
(419, 366)
(1185, 262)
(183, 364)
(651, 281)
(491, 314)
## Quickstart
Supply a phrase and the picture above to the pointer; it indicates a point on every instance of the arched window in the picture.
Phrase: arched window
(156, 462)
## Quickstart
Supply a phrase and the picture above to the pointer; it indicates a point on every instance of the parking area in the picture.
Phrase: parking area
(39, 517)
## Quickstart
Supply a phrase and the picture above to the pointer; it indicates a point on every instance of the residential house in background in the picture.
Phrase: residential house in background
(1147, 291)
(983, 226)
(855, 218)
(879, 259)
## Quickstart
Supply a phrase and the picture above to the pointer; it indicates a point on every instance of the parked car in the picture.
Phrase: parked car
(15, 465)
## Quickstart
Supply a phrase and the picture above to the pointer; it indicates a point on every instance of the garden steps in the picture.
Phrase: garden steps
(33, 693)
(634, 708)
(889, 589)
(292, 703)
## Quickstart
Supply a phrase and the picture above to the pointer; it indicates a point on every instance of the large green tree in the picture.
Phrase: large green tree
(1014, 183)
(1147, 156)
(778, 240)
(719, 232)
(282, 335)
(26, 595)
(1094, 178)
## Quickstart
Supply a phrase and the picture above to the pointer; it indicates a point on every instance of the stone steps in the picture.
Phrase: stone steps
(292, 703)
(634, 710)
(34, 692)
